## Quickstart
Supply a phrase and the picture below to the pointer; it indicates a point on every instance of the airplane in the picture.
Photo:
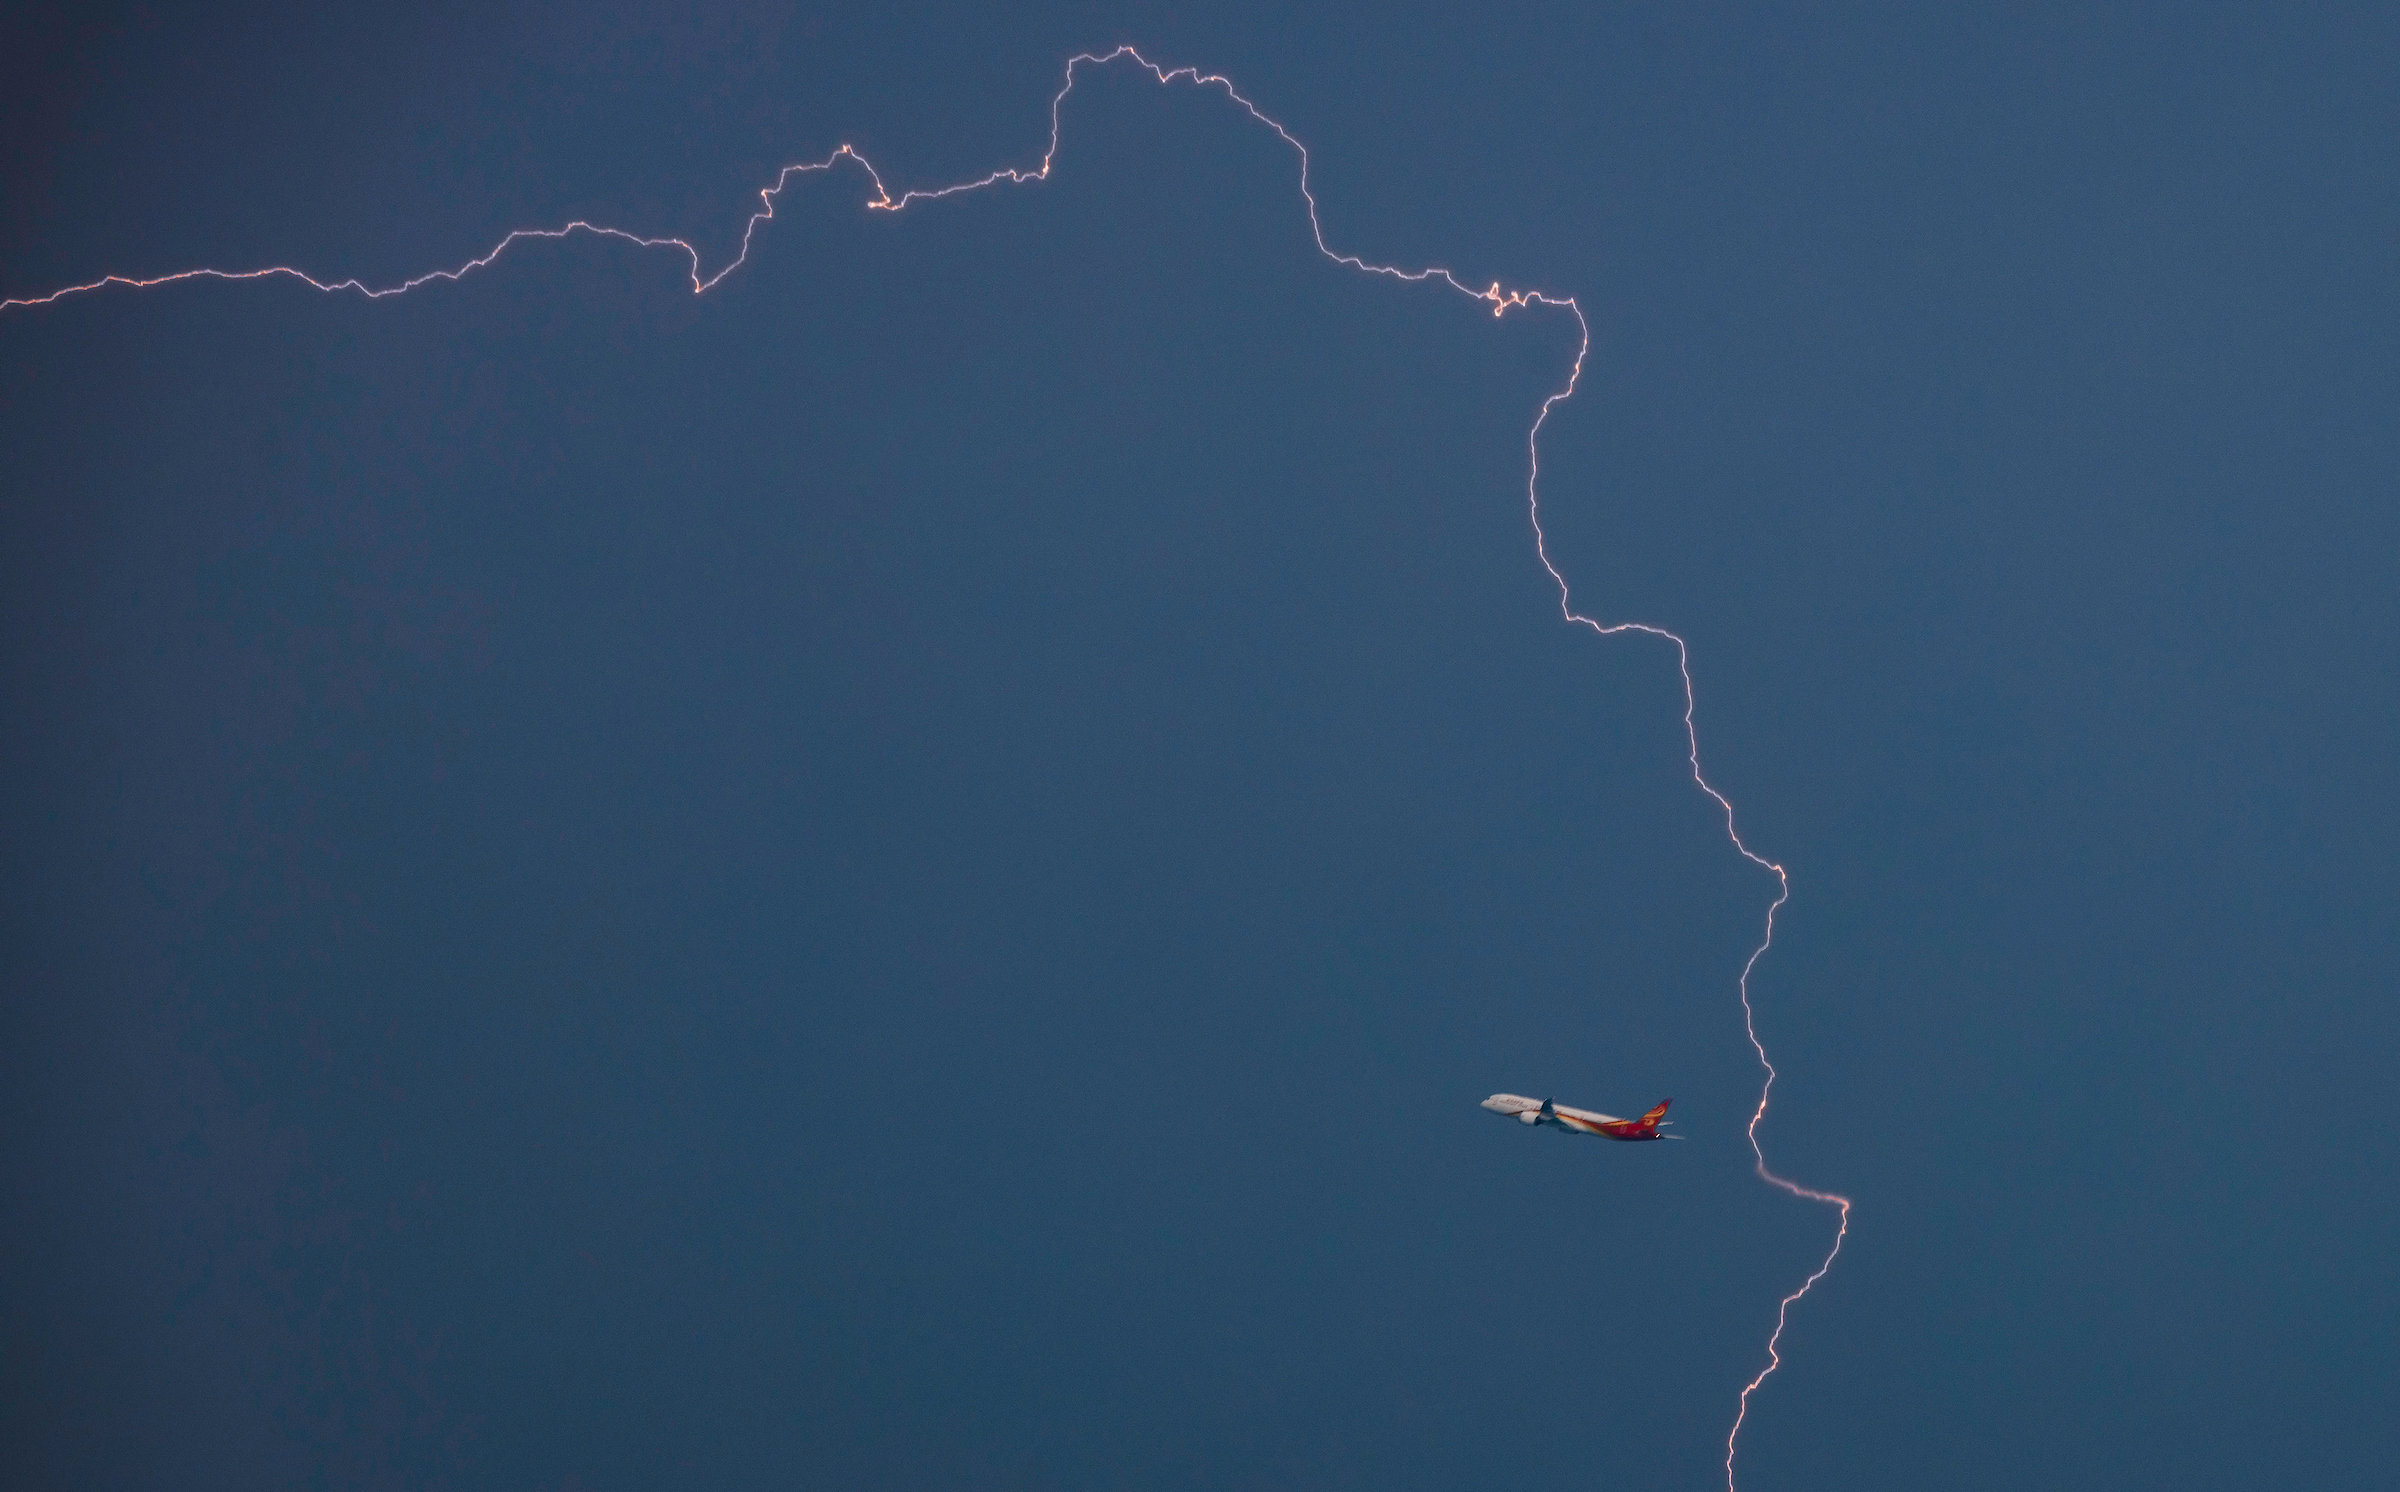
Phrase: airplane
(1581, 1121)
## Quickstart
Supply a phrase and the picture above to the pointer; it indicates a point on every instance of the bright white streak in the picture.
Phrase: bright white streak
(1501, 302)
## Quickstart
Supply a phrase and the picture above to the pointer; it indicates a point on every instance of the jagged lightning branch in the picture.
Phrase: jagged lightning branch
(1501, 301)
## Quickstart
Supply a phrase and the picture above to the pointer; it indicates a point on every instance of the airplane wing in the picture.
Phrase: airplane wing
(1581, 1121)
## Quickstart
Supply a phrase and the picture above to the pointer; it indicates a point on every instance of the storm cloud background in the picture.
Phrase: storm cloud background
(908, 873)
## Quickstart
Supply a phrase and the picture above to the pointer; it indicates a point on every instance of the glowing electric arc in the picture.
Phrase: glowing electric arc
(1501, 301)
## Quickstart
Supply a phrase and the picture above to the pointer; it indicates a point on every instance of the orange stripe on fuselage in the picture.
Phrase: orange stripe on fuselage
(1610, 1129)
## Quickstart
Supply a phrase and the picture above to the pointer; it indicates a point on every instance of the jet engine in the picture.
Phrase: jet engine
(1530, 1116)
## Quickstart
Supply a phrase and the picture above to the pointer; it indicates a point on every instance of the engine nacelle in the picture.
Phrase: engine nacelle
(1530, 1116)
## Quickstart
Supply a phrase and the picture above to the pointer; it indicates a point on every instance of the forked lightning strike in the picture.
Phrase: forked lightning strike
(1501, 300)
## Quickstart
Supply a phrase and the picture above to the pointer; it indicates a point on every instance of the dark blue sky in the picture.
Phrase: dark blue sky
(908, 873)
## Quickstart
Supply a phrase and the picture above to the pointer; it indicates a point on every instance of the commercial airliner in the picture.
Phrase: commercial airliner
(1581, 1121)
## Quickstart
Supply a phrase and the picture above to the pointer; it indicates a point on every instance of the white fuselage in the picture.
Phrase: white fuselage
(1529, 1110)
(1576, 1121)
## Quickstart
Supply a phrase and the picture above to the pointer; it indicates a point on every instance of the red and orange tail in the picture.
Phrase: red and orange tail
(1651, 1119)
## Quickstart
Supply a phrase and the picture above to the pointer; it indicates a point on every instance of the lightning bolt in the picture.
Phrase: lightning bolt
(1501, 300)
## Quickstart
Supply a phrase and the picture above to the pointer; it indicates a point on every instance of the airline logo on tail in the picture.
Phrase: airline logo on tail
(1539, 1111)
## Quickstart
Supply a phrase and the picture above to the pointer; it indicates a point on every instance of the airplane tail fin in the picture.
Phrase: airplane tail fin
(1655, 1115)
